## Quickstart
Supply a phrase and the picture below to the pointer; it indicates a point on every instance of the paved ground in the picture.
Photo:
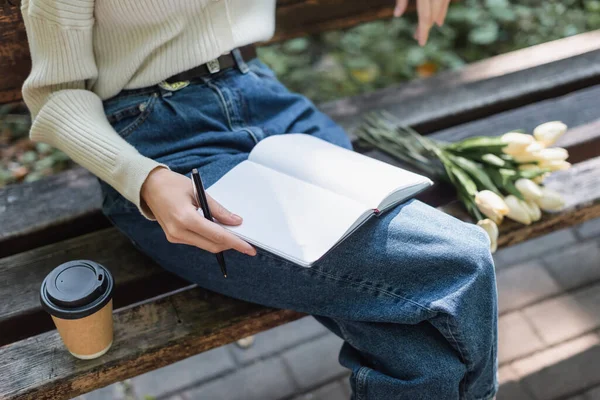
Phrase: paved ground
(549, 291)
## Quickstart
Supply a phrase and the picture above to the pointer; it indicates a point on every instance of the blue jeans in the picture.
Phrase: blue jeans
(412, 293)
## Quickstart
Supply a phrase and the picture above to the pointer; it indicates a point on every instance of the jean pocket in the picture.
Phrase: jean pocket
(261, 70)
(128, 114)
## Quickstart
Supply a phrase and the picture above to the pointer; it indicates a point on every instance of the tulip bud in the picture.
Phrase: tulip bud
(552, 154)
(517, 210)
(555, 165)
(534, 210)
(526, 167)
(515, 142)
(549, 132)
(491, 229)
(535, 147)
(550, 200)
(491, 205)
(528, 188)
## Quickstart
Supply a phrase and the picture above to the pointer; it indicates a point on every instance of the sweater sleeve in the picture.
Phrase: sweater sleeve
(64, 113)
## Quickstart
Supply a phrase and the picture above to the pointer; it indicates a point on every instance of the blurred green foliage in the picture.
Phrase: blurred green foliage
(370, 56)
(378, 54)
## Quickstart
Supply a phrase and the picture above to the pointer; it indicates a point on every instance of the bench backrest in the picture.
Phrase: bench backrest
(294, 18)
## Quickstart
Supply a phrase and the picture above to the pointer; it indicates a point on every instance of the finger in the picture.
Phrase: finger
(193, 239)
(425, 20)
(218, 235)
(441, 15)
(222, 214)
(400, 7)
(436, 7)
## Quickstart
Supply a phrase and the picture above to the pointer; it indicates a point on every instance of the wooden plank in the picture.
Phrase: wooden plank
(294, 18)
(190, 321)
(137, 278)
(14, 53)
(483, 88)
(147, 336)
(297, 18)
(31, 213)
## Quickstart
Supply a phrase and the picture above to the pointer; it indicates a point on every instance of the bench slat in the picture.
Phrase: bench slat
(31, 213)
(147, 336)
(165, 330)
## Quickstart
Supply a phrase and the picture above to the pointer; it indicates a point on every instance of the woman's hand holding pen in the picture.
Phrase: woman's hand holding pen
(430, 12)
(171, 199)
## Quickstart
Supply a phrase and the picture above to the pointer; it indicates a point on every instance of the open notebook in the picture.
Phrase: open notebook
(300, 196)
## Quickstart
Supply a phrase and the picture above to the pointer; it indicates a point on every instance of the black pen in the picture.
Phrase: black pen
(203, 203)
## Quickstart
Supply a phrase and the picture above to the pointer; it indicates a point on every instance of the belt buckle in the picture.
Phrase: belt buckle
(173, 86)
(213, 66)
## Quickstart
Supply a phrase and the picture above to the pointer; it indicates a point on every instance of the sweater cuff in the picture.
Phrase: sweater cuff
(138, 168)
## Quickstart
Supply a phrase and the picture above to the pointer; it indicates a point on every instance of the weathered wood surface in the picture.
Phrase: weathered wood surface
(32, 213)
(147, 336)
(175, 326)
(21, 275)
(294, 18)
(484, 88)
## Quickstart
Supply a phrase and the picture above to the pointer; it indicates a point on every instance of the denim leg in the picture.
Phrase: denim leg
(412, 293)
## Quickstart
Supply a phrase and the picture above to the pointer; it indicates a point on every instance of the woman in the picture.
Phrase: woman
(130, 89)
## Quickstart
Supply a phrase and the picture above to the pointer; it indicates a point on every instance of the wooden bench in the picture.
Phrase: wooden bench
(159, 318)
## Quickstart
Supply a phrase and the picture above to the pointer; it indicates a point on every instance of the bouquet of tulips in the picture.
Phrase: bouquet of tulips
(495, 177)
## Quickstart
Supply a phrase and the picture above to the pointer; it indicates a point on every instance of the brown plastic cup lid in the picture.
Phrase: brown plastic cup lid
(76, 289)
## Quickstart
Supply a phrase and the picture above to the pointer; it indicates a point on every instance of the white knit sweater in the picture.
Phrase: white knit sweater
(86, 51)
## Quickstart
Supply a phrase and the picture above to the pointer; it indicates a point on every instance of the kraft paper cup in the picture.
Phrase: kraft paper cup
(78, 296)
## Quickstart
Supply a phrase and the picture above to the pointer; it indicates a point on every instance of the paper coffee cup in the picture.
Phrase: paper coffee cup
(78, 296)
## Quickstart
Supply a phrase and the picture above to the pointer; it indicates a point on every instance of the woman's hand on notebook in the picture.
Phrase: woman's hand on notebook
(170, 197)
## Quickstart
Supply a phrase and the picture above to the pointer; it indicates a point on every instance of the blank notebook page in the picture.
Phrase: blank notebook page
(284, 215)
(340, 170)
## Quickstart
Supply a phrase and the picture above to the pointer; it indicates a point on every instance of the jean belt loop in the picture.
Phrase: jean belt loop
(239, 60)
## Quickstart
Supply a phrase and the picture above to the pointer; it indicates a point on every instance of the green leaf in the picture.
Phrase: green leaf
(493, 159)
(296, 45)
(28, 157)
(476, 172)
(484, 34)
(532, 173)
(466, 183)
(478, 143)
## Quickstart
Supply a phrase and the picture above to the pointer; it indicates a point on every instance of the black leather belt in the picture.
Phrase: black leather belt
(225, 61)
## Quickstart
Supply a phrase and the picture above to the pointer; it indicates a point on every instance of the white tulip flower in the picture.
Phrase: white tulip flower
(516, 142)
(552, 154)
(555, 165)
(550, 200)
(526, 157)
(491, 205)
(534, 210)
(518, 210)
(491, 229)
(528, 188)
(547, 133)
(535, 147)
